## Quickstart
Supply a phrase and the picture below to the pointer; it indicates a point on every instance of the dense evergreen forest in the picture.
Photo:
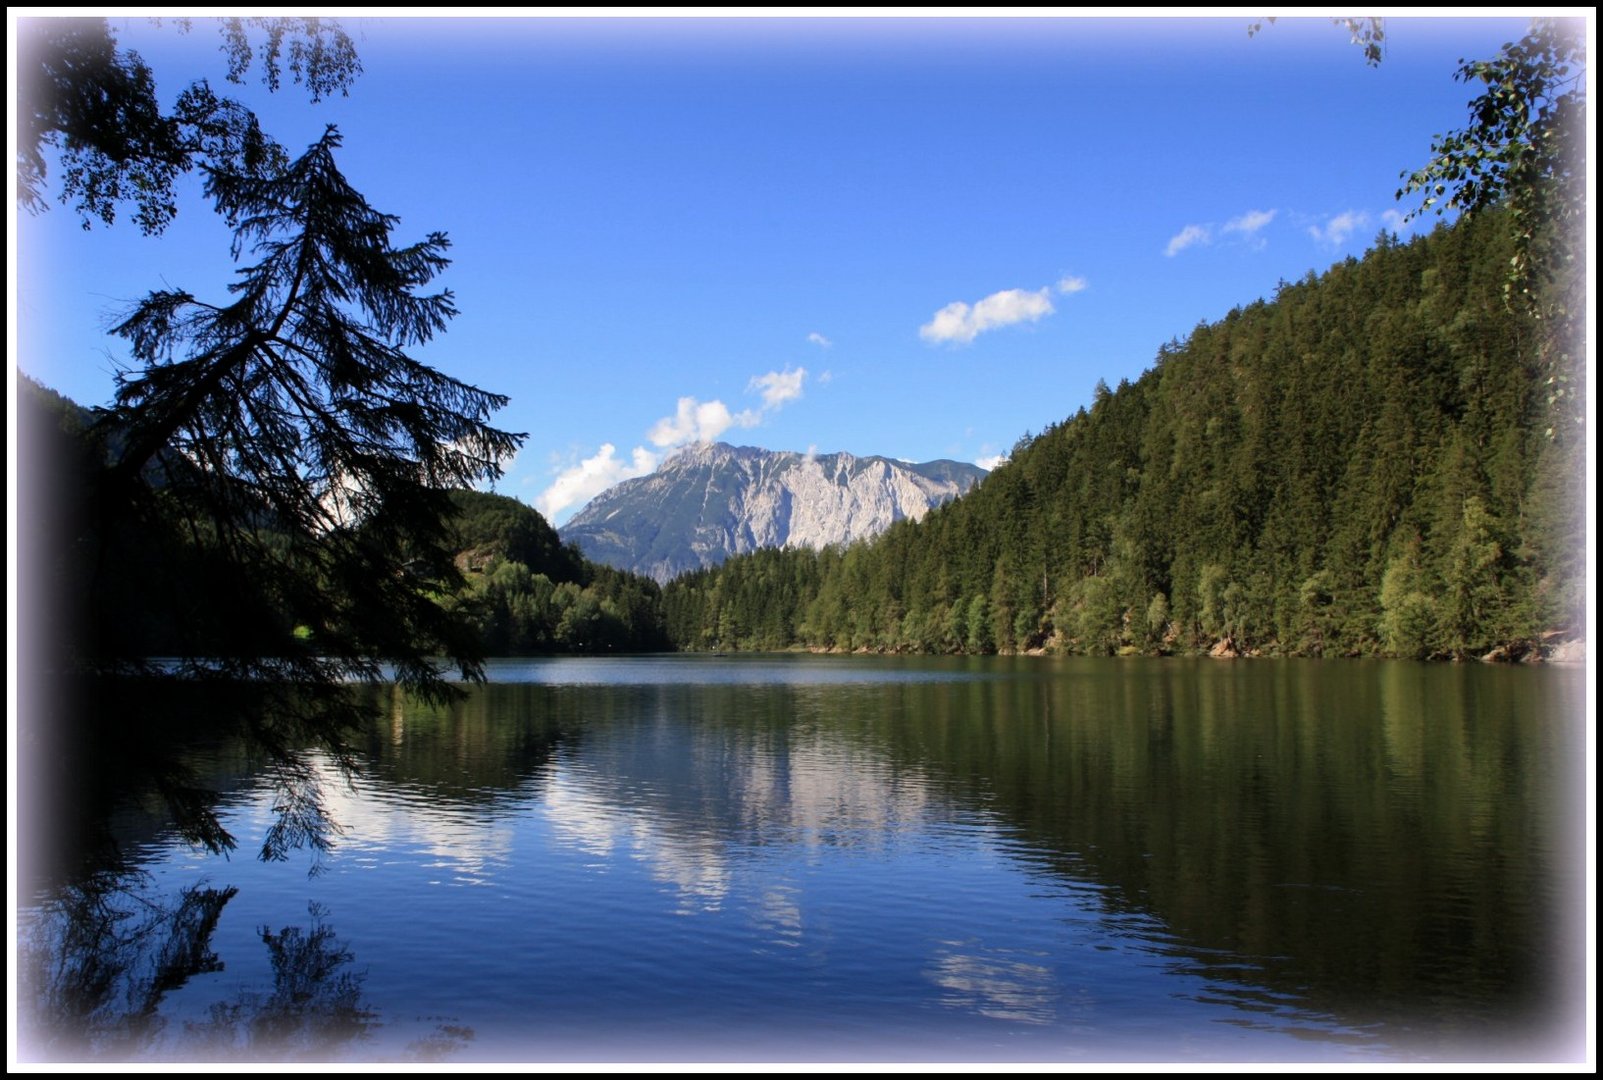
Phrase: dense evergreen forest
(528, 593)
(1361, 466)
(1367, 464)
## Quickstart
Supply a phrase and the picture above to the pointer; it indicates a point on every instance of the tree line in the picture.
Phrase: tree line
(1384, 460)
(528, 594)
(1361, 466)
(157, 586)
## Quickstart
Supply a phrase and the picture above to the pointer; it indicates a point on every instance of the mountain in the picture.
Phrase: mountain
(711, 501)
(1375, 462)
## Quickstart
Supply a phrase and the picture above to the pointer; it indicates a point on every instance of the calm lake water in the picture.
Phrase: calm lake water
(879, 859)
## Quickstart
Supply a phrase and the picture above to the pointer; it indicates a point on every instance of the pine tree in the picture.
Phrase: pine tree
(293, 440)
(298, 417)
(95, 104)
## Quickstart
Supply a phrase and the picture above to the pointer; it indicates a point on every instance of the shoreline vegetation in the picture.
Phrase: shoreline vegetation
(1383, 460)
(1374, 463)
(1566, 651)
(1360, 467)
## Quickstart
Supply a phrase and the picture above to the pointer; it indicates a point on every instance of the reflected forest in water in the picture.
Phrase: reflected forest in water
(102, 957)
(274, 812)
(1370, 859)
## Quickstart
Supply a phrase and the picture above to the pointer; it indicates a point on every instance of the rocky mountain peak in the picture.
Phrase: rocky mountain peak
(713, 500)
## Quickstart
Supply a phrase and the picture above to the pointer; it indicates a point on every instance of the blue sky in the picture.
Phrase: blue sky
(916, 238)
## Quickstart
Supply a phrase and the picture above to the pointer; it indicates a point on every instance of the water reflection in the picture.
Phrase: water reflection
(779, 915)
(1260, 810)
(994, 983)
(1148, 860)
(695, 802)
(313, 1011)
(96, 964)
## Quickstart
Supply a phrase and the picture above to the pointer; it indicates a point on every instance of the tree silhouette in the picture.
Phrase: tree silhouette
(271, 488)
(293, 431)
(95, 103)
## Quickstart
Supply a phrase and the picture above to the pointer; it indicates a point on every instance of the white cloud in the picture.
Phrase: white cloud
(703, 421)
(825, 376)
(698, 421)
(1396, 221)
(693, 421)
(1249, 223)
(1246, 226)
(1069, 284)
(990, 461)
(1191, 234)
(778, 387)
(819, 339)
(584, 481)
(958, 322)
(1339, 228)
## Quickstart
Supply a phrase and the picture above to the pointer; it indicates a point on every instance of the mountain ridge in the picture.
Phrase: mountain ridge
(712, 500)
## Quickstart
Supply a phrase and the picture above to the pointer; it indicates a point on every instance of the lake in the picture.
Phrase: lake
(799, 858)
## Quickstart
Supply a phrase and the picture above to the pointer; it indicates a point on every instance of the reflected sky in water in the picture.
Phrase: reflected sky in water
(844, 859)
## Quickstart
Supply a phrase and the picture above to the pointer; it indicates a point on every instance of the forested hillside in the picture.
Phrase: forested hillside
(151, 586)
(529, 593)
(1368, 464)
(1361, 466)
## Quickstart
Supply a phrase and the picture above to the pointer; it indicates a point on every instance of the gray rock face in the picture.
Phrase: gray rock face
(712, 501)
